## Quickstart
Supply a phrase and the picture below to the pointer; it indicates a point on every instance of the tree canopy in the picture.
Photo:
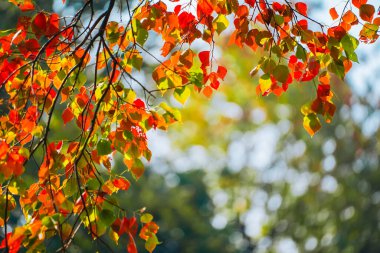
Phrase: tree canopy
(89, 64)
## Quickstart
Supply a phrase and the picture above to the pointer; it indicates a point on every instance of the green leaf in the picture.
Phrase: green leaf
(70, 187)
(104, 147)
(142, 36)
(281, 73)
(301, 53)
(220, 23)
(196, 78)
(107, 217)
(278, 19)
(137, 62)
(268, 66)
(349, 43)
(6, 32)
(337, 68)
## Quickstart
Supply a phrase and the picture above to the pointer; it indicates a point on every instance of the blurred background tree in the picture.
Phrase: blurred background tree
(291, 193)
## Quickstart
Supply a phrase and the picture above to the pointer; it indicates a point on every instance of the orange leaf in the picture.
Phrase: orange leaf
(121, 183)
(207, 91)
(25, 5)
(350, 18)
(334, 15)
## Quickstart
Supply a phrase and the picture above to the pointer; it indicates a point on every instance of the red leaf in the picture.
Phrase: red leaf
(277, 6)
(301, 8)
(67, 115)
(215, 84)
(39, 24)
(303, 24)
(358, 3)
(29, 48)
(177, 9)
(204, 56)
(250, 2)
(52, 25)
(14, 117)
(131, 247)
(139, 103)
(185, 19)
(323, 90)
(222, 71)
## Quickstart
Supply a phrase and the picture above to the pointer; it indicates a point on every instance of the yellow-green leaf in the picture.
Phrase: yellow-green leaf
(220, 23)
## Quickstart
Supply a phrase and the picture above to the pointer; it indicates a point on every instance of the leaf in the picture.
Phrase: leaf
(121, 183)
(366, 12)
(281, 73)
(349, 43)
(67, 115)
(333, 13)
(207, 91)
(301, 8)
(52, 25)
(311, 123)
(220, 23)
(24, 5)
(151, 243)
(137, 169)
(142, 36)
(138, 103)
(358, 3)
(131, 247)
(222, 72)
(350, 18)
(107, 217)
(182, 94)
(204, 57)
(146, 218)
(265, 83)
(104, 147)
(112, 31)
(187, 57)
(39, 24)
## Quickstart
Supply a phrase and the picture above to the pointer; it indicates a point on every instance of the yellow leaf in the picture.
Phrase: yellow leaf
(220, 23)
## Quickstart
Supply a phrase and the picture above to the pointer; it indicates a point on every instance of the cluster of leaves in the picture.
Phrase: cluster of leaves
(88, 68)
